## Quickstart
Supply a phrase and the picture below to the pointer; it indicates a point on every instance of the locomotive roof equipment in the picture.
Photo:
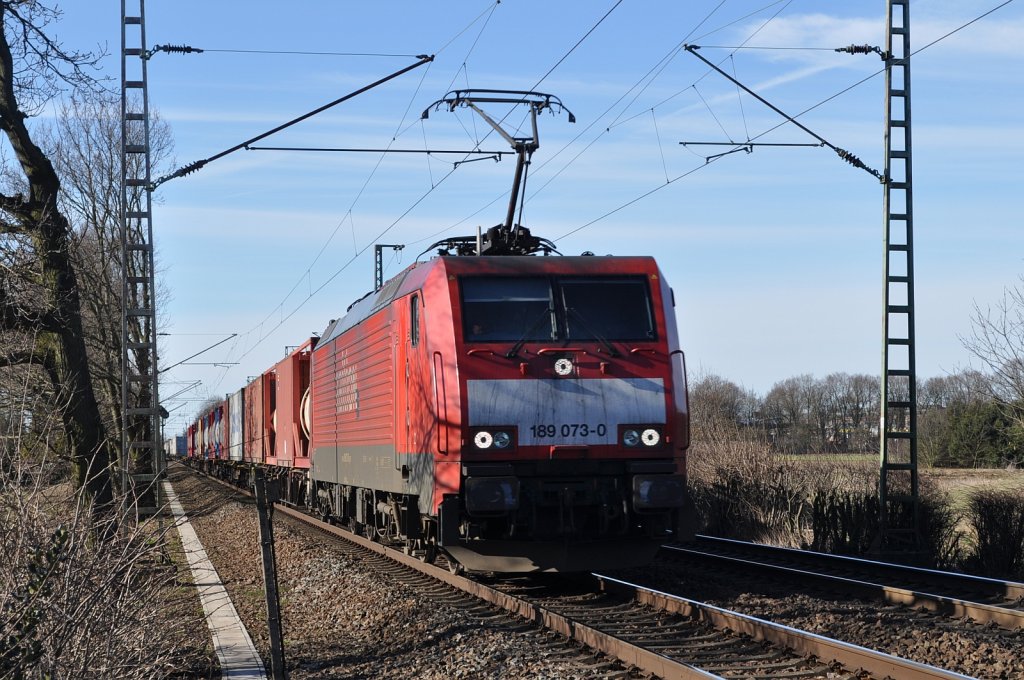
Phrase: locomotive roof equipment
(508, 238)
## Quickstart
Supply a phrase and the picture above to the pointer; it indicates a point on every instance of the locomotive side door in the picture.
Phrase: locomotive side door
(409, 359)
(401, 371)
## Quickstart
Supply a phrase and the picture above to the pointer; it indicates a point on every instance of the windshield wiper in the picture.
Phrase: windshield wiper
(597, 336)
(529, 331)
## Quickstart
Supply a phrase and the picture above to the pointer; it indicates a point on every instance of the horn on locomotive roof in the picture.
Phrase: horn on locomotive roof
(508, 238)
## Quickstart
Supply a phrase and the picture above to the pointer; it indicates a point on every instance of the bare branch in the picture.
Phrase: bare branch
(18, 358)
(16, 317)
(45, 66)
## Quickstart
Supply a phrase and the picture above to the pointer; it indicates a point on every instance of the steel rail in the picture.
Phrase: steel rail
(646, 660)
(878, 664)
(644, 656)
(940, 604)
(1010, 618)
(1010, 590)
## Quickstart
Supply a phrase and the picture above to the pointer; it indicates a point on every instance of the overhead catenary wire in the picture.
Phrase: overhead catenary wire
(313, 54)
(655, 70)
(197, 165)
(264, 335)
(685, 174)
(189, 49)
(842, 153)
(663, 63)
(330, 279)
(879, 71)
(349, 213)
(679, 49)
(777, 126)
(381, 150)
(501, 121)
(259, 328)
(765, 47)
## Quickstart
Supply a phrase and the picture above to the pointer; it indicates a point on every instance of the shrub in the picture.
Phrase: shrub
(847, 523)
(844, 522)
(744, 489)
(86, 594)
(997, 519)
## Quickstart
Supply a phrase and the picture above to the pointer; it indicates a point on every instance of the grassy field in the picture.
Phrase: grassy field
(957, 482)
(961, 482)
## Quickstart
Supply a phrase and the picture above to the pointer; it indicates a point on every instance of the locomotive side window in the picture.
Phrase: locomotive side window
(607, 309)
(414, 320)
(506, 309)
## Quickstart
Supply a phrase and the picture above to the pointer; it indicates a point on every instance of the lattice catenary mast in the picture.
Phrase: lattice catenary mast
(898, 490)
(141, 460)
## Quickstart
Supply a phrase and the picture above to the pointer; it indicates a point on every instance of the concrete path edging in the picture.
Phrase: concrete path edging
(235, 651)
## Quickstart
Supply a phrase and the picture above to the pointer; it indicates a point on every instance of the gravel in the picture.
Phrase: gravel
(343, 616)
(981, 651)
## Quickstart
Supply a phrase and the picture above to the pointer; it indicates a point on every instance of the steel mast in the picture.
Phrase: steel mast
(898, 490)
(141, 461)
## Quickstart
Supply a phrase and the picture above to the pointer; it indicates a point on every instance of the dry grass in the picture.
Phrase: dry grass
(87, 593)
(742, 489)
(962, 483)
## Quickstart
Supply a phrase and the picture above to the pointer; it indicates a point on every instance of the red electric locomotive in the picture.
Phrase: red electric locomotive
(518, 411)
(523, 413)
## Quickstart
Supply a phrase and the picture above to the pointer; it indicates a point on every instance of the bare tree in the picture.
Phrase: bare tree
(997, 341)
(787, 408)
(715, 399)
(85, 145)
(40, 308)
(852, 410)
(959, 388)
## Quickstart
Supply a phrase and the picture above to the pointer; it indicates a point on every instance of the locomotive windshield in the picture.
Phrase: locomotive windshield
(607, 309)
(505, 309)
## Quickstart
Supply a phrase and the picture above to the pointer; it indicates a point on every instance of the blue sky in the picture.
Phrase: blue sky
(775, 256)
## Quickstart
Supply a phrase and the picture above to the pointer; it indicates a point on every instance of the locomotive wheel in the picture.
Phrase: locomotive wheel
(421, 549)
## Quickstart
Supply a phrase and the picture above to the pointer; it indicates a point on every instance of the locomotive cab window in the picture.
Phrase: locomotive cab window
(607, 309)
(506, 309)
(414, 320)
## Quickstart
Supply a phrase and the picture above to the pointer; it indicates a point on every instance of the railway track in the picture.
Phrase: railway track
(984, 600)
(654, 632)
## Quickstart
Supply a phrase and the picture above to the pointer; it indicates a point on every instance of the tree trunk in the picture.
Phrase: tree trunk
(55, 320)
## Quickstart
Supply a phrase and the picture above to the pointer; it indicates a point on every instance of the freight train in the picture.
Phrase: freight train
(518, 412)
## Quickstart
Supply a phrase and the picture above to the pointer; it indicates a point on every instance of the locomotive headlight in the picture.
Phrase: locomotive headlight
(563, 366)
(657, 492)
(493, 439)
(641, 436)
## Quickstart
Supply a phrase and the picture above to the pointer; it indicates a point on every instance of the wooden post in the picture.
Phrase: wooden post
(266, 494)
